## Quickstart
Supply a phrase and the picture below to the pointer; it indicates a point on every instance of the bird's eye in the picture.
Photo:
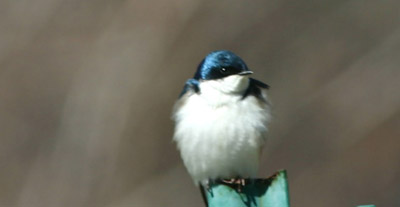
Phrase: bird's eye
(223, 70)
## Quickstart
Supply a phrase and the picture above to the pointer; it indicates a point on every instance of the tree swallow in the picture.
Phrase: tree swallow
(221, 119)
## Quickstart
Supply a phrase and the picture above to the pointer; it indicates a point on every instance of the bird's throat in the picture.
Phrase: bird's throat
(234, 84)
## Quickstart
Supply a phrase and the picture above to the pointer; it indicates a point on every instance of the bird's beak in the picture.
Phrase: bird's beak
(247, 72)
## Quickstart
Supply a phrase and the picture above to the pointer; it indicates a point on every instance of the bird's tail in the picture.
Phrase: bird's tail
(203, 195)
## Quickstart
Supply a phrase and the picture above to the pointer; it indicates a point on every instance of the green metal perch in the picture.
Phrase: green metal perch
(269, 192)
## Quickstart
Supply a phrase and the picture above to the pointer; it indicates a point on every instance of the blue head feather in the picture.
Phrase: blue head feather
(219, 64)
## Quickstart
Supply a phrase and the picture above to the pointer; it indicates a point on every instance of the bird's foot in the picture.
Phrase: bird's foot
(207, 186)
(236, 183)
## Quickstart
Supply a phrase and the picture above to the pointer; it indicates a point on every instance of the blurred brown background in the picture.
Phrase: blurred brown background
(87, 87)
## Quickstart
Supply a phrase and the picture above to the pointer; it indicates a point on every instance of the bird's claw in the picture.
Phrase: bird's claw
(236, 183)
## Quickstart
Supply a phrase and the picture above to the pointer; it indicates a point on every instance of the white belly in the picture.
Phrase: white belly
(221, 138)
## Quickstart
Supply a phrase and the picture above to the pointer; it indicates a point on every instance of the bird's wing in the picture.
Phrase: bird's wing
(256, 89)
(259, 90)
(191, 87)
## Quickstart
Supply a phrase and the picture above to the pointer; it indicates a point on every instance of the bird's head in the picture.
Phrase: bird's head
(220, 64)
(224, 71)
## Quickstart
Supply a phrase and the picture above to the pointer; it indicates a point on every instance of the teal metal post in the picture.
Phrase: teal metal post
(270, 192)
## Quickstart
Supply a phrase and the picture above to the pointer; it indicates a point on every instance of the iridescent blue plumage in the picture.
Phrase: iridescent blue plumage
(210, 67)
(220, 64)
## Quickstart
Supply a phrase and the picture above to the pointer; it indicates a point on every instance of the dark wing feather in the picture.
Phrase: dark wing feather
(254, 89)
(191, 85)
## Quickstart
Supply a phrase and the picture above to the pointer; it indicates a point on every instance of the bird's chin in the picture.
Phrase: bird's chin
(234, 83)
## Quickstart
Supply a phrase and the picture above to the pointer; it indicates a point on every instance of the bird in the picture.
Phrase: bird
(221, 120)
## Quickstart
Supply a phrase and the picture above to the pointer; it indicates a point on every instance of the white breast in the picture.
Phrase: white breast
(219, 134)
